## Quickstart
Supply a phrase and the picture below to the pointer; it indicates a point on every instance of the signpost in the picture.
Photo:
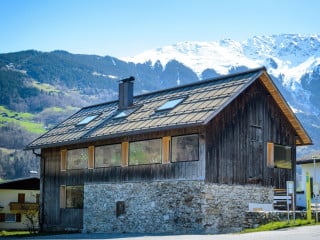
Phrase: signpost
(290, 192)
(308, 197)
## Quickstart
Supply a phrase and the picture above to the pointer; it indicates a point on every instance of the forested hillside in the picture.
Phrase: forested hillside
(40, 89)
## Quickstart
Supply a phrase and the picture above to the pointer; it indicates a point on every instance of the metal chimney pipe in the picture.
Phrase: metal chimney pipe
(126, 93)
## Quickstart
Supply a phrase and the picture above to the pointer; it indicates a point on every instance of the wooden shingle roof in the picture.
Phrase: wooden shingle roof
(199, 103)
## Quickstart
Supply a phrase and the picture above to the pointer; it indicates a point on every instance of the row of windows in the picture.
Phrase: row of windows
(163, 150)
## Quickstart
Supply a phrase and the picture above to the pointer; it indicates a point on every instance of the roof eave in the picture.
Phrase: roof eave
(116, 135)
(302, 136)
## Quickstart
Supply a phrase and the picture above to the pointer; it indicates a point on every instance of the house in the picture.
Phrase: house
(185, 159)
(19, 204)
(312, 166)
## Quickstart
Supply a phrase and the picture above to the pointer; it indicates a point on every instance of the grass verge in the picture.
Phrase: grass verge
(279, 225)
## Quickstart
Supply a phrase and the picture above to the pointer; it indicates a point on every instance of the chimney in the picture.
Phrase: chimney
(126, 93)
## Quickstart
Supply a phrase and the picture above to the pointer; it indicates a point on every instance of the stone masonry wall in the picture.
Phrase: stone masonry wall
(169, 206)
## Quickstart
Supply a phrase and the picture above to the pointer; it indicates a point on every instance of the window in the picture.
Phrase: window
(21, 197)
(120, 208)
(145, 152)
(10, 217)
(74, 197)
(278, 156)
(170, 104)
(185, 148)
(77, 158)
(108, 155)
(86, 120)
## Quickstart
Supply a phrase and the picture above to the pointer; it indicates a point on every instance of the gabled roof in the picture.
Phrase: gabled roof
(29, 183)
(197, 104)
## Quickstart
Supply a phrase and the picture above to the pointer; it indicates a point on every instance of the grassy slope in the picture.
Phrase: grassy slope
(23, 119)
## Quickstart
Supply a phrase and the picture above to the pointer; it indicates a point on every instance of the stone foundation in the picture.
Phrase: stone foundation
(169, 207)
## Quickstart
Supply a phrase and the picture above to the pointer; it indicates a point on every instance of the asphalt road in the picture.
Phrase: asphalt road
(297, 233)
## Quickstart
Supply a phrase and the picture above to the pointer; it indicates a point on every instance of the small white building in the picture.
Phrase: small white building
(19, 204)
(313, 167)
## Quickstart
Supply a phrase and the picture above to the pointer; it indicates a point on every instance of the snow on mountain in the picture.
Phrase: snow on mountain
(199, 55)
(290, 55)
(292, 59)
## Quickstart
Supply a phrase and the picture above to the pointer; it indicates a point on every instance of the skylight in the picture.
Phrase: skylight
(124, 113)
(170, 104)
(86, 120)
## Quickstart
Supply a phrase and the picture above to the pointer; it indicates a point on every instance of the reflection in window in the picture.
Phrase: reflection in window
(77, 158)
(278, 156)
(74, 195)
(170, 104)
(145, 152)
(185, 148)
(108, 155)
(86, 120)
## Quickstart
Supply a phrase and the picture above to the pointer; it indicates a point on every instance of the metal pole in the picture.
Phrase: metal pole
(315, 190)
(308, 197)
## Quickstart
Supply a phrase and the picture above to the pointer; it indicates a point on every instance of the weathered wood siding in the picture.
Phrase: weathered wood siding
(237, 140)
(56, 218)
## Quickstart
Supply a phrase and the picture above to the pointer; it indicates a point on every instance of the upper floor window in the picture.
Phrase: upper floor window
(145, 152)
(279, 156)
(108, 155)
(185, 148)
(77, 158)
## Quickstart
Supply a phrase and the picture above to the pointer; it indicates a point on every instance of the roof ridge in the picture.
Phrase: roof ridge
(262, 68)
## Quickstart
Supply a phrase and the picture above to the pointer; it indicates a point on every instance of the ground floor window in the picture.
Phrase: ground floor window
(71, 197)
(74, 197)
(10, 217)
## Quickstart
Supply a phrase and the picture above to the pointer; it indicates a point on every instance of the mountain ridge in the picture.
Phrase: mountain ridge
(52, 85)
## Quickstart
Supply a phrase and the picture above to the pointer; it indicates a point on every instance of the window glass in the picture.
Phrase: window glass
(145, 152)
(185, 148)
(10, 217)
(278, 156)
(86, 120)
(170, 104)
(77, 158)
(74, 197)
(282, 156)
(108, 155)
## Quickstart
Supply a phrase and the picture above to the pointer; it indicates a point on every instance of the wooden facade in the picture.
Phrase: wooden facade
(233, 128)
(237, 141)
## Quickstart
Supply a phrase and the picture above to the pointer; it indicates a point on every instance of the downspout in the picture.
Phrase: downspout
(42, 176)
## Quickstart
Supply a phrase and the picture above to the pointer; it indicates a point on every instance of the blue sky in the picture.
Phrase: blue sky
(127, 27)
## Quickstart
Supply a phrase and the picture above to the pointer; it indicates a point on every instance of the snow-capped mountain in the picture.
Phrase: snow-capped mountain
(293, 61)
(289, 54)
